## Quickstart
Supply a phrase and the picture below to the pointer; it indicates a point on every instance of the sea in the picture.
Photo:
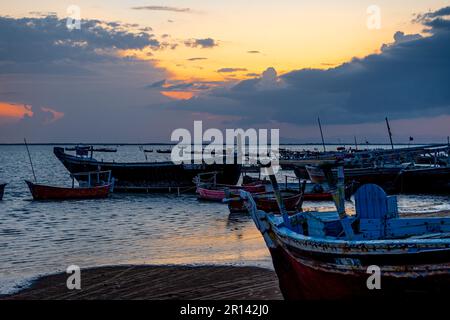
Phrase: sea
(44, 237)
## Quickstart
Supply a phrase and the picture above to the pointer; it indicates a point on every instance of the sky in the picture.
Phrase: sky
(137, 70)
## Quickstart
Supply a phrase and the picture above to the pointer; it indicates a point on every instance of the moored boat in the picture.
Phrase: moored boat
(218, 192)
(2, 190)
(406, 178)
(267, 202)
(376, 253)
(95, 188)
(46, 192)
(150, 176)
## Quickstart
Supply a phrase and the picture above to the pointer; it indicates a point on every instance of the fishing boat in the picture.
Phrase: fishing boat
(149, 176)
(95, 188)
(148, 150)
(406, 178)
(266, 201)
(218, 192)
(2, 190)
(374, 253)
(81, 149)
(312, 191)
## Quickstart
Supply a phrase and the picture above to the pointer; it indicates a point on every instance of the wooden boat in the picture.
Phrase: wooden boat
(312, 192)
(330, 255)
(150, 177)
(2, 190)
(218, 192)
(95, 189)
(396, 179)
(267, 202)
(84, 150)
(45, 192)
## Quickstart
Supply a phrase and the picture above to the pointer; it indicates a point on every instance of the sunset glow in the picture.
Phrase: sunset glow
(14, 112)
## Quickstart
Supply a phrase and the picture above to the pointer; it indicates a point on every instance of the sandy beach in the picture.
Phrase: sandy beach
(159, 283)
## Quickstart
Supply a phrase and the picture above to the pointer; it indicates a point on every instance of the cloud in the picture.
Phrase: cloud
(162, 8)
(156, 84)
(231, 70)
(78, 85)
(177, 85)
(197, 59)
(54, 115)
(38, 45)
(408, 79)
(202, 43)
(429, 16)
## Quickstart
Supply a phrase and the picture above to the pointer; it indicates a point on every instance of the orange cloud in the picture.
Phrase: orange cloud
(56, 115)
(178, 95)
(10, 112)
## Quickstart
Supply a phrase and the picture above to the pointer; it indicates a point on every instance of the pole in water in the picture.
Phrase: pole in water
(321, 134)
(356, 144)
(29, 157)
(390, 133)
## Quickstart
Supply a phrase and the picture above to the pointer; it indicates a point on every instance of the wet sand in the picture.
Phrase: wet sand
(159, 283)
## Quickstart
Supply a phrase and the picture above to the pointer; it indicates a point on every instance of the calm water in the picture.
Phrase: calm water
(37, 238)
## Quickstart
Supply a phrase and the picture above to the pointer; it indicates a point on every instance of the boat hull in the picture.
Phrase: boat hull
(2, 190)
(150, 177)
(396, 180)
(267, 202)
(310, 281)
(43, 192)
(219, 194)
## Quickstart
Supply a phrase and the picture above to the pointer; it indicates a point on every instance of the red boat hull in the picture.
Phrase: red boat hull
(267, 202)
(299, 281)
(323, 196)
(43, 192)
(219, 194)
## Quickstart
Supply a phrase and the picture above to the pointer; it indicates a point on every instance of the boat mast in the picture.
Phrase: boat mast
(321, 134)
(29, 157)
(390, 133)
(356, 144)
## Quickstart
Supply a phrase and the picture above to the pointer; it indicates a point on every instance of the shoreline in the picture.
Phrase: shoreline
(153, 282)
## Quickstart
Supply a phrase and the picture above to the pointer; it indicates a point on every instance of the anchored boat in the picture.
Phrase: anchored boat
(407, 178)
(210, 190)
(331, 255)
(148, 177)
(94, 188)
(267, 202)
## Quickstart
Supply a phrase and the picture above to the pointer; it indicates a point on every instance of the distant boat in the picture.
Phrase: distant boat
(218, 192)
(84, 150)
(94, 189)
(164, 151)
(150, 176)
(396, 179)
(2, 190)
(266, 201)
(148, 150)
